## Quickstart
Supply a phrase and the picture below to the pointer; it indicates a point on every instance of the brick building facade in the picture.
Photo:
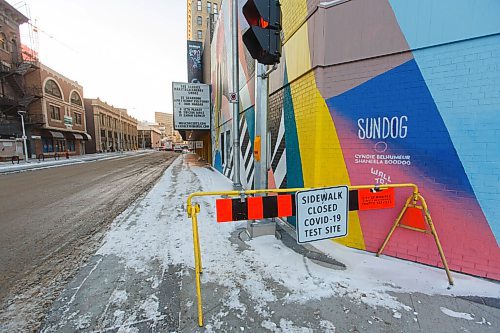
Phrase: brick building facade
(113, 129)
(61, 124)
(149, 136)
(15, 95)
(201, 16)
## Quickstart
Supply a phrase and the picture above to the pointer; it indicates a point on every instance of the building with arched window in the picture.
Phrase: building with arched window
(62, 126)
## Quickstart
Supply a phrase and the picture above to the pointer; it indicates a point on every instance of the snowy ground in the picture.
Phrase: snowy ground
(260, 285)
(32, 164)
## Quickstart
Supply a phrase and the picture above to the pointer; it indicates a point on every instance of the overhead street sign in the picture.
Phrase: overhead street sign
(322, 213)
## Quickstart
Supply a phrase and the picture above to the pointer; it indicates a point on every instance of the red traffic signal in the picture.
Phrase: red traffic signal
(263, 37)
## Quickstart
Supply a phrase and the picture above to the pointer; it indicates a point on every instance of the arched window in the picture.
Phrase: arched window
(75, 98)
(3, 41)
(51, 88)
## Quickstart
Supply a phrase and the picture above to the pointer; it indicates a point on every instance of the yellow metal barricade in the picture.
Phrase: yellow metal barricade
(194, 209)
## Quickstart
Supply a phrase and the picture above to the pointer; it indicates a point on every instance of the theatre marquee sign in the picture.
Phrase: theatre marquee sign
(191, 106)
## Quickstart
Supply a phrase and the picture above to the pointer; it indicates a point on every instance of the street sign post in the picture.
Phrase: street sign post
(322, 213)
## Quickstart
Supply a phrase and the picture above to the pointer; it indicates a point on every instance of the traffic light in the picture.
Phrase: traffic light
(262, 38)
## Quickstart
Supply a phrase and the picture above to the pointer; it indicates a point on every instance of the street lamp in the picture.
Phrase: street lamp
(121, 132)
(22, 113)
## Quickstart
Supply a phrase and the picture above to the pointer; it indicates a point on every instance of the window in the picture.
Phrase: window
(3, 41)
(55, 112)
(102, 119)
(209, 7)
(60, 145)
(71, 145)
(199, 5)
(200, 34)
(48, 146)
(77, 118)
(216, 10)
(199, 20)
(51, 88)
(75, 99)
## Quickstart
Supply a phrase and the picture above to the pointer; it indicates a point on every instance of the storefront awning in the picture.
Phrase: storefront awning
(86, 136)
(77, 136)
(57, 135)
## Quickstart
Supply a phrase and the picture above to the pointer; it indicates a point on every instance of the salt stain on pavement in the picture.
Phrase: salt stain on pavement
(454, 314)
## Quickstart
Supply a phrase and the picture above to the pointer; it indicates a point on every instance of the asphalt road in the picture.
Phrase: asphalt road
(52, 220)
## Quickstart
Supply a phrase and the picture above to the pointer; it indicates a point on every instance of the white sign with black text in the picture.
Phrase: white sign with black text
(199, 144)
(191, 106)
(322, 213)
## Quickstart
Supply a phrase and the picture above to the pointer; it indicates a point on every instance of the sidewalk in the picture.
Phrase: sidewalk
(142, 279)
(7, 167)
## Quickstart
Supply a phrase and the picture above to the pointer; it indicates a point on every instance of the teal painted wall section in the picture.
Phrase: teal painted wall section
(295, 178)
(250, 118)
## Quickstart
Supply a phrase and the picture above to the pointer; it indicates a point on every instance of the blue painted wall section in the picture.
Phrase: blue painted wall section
(429, 22)
(464, 80)
(402, 93)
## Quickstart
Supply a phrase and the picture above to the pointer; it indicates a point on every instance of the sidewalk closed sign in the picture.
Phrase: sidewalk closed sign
(322, 213)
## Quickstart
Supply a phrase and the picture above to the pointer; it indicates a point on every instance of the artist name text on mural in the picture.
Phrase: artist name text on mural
(382, 159)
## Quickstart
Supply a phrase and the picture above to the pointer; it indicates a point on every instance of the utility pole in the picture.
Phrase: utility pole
(261, 110)
(121, 132)
(261, 151)
(236, 103)
(22, 113)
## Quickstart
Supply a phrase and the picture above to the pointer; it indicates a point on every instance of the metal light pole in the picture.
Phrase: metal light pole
(121, 133)
(236, 104)
(261, 109)
(22, 113)
(98, 117)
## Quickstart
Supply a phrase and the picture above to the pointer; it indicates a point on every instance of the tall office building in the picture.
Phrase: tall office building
(165, 123)
(201, 15)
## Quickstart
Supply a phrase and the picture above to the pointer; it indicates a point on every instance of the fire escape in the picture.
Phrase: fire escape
(18, 97)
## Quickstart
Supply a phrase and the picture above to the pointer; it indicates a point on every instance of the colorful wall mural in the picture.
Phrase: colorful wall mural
(379, 92)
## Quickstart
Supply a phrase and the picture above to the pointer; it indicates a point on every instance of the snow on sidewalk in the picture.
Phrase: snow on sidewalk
(164, 232)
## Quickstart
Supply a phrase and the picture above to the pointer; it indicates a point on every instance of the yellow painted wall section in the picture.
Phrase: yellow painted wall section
(321, 154)
(298, 57)
(294, 13)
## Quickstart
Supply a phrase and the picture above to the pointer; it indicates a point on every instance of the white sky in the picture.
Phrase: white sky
(126, 52)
